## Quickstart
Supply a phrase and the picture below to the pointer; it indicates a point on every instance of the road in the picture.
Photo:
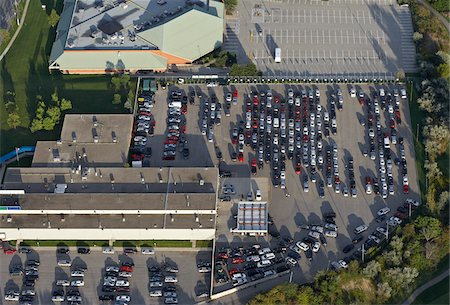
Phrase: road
(437, 14)
(425, 286)
(24, 14)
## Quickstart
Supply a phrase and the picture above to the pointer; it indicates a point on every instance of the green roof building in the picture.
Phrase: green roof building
(107, 36)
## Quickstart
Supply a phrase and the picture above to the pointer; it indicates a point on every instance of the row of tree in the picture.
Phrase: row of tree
(48, 114)
(121, 87)
(388, 278)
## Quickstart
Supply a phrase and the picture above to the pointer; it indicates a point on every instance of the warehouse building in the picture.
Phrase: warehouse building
(78, 188)
(107, 36)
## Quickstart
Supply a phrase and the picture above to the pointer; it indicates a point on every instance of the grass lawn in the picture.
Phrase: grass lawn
(204, 243)
(153, 243)
(437, 294)
(24, 71)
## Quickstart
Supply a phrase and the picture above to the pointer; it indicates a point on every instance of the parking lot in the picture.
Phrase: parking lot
(323, 38)
(291, 208)
(190, 281)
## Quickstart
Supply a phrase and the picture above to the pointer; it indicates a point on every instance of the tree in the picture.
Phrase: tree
(307, 296)
(48, 123)
(437, 139)
(429, 227)
(417, 37)
(433, 171)
(230, 5)
(115, 82)
(117, 99)
(400, 74)
(13, 120)
(4, 35)
(442, 202)
(430, 250)
(36, 125)
(40, 111)
(65, 105)
(127, 105)
(53, 18)
(125, 81)
(54, 113)
(383, 292)
(372, 269)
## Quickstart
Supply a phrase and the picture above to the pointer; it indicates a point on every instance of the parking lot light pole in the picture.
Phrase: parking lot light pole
(387, 230)
(409, 210)
(362, 253)
(290, 276)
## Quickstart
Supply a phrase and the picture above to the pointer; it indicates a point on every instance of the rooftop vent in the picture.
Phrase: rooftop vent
(55, 153)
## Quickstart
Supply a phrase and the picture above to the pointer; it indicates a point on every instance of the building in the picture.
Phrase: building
(105, 36)
(78, 188)
(252, 218)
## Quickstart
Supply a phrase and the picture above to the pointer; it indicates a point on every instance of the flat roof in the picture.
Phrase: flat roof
(252, 217)
(116, 24)
(112, 189)
(88, 139)
(110, 222)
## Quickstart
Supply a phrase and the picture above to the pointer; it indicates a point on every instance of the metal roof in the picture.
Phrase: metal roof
(252, 217)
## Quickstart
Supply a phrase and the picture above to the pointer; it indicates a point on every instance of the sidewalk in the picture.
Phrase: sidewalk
(120, 249)
(425, 286)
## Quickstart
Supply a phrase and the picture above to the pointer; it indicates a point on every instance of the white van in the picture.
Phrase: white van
(64, 263)
(277, 55)
(330, 233)
(276, 123)
(360, 229)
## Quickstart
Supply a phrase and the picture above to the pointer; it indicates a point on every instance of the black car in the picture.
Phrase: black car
(329, 214)
(63, 250)
(348, 248)
(225, 198)
(280, 249)
(282, 268)
(218, 154)
(106, 297)
(323, 240)
(28, 282)
(321, 189)
(108, 288)
(309, 254)
(380, 219)
(25, 250)
(58, 293)
(185, 153)
(357, 239)
(233, 156)
(309, 240)
(73, 293)
(84, 250)
(26, 298)
(402, 209)
(249, 265)
(169, 289)
(288, 240)
(274, 234)
(128, 264)
(32, 262)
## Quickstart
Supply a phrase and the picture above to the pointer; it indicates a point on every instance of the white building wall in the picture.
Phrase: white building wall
(107, 234)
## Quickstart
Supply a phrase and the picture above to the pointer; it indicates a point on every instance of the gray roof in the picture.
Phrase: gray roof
(252, 217)
(104, 142)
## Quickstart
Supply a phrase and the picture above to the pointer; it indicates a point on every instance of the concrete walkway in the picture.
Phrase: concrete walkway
(425, 286)
(437, 14)
(22, 20)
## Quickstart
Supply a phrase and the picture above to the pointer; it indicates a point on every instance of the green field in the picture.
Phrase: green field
(24, 71)
(435, 295)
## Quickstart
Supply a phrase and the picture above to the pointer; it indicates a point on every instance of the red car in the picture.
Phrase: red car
(234, 270)
(241, 157)
(253, 169)
(368, 180)
(9, 251)
(235, 93)
(392, 123)
(277, 99)
(184, 109)
(238, 260)
(405, 189)
(255, 101)
(126, 269)
(297, 169)
(223, 255)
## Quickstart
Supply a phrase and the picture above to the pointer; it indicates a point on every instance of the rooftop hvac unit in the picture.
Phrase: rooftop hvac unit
(60, 188)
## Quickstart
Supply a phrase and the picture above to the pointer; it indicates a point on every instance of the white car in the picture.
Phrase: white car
(317, 93)
(290, 93)
(12, 296)
(303, 246)
(253, 258)
(170, 279)
(77, 283)
(343, 264)
(112, 269)
(147, 251)
(268, 256)
(331, 226)
(317, 229)
(108, 250)
(125, 274)
(123, 298)
(264, 263)
(403, 93)
(314, 234)
(331, 233)
(156, 293)
(64, 263)
(156, 284)
(258, 195)
(77, 273)
(291, 261)
(352, 92)
(64, 283)
(122, 283)
(316, 247)
(58, 298)
(383, 211)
